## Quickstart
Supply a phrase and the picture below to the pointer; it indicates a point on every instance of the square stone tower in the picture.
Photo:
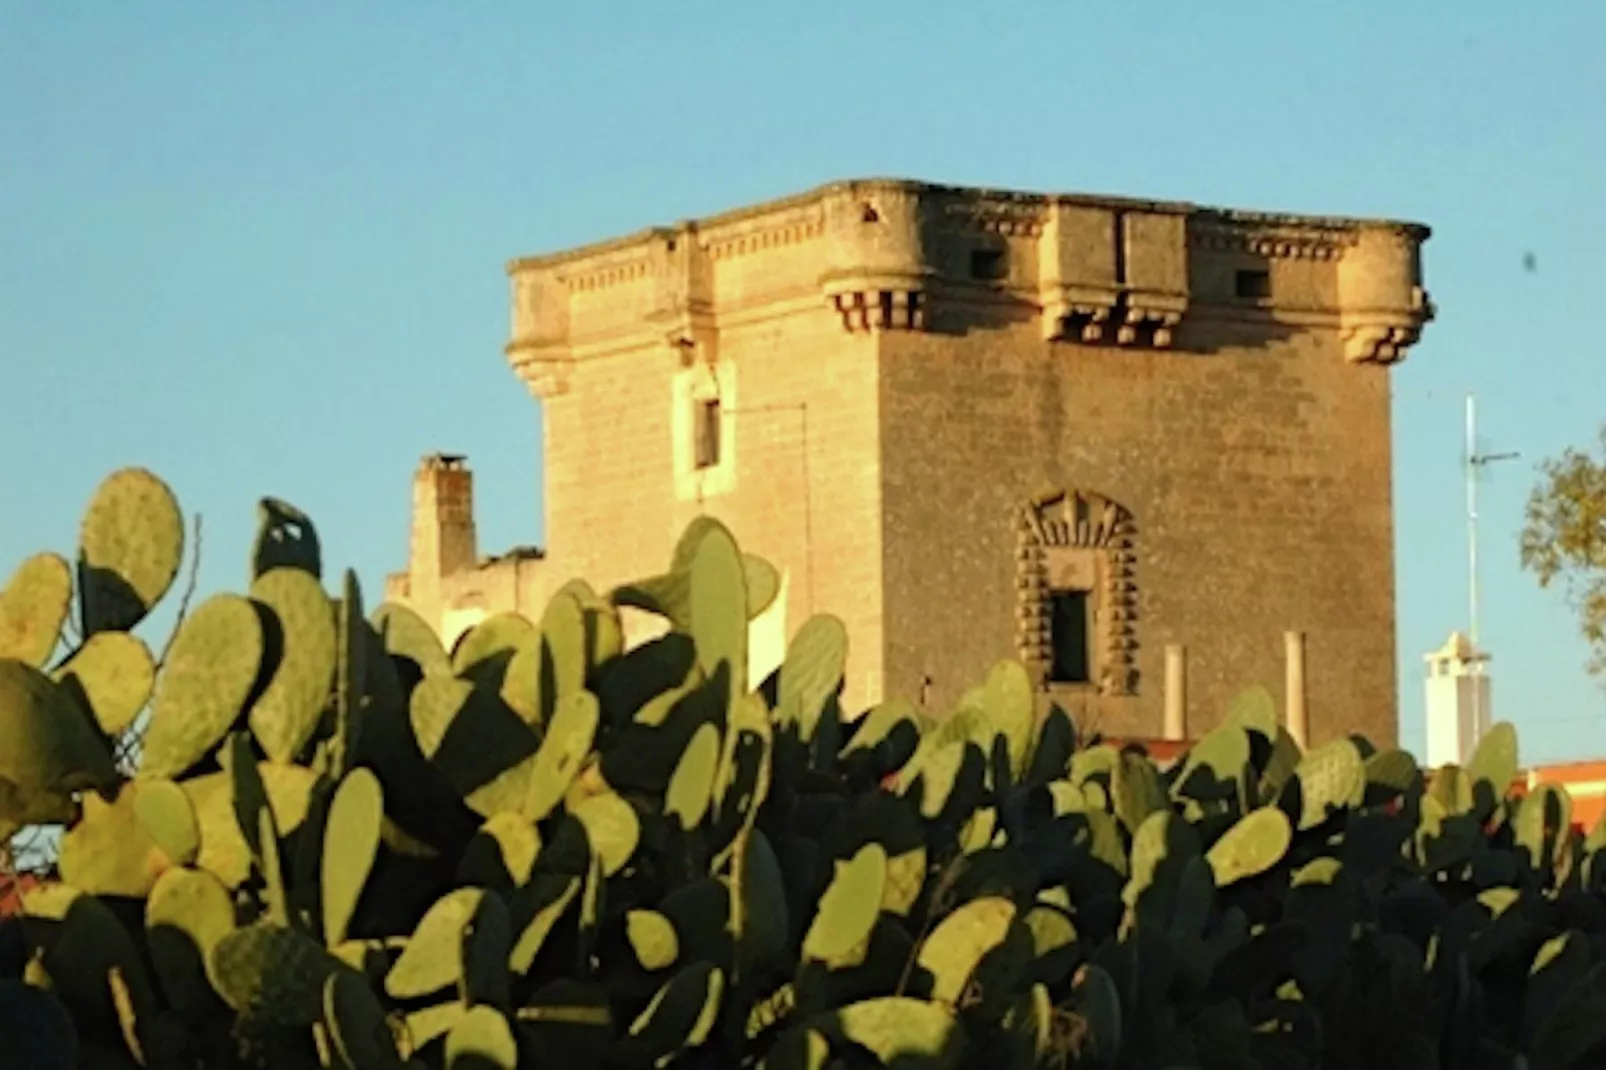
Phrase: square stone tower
(977, 424)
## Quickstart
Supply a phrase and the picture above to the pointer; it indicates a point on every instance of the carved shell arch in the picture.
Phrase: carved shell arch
(1079, 520)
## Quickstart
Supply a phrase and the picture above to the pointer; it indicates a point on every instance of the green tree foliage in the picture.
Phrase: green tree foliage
(1564, 538)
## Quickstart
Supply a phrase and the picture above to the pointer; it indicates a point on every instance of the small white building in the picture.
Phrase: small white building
(1457, 701)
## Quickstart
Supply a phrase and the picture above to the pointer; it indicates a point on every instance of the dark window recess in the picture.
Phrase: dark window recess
(1071, 636)
(707, 433)
(1252, 283)
(987, 264)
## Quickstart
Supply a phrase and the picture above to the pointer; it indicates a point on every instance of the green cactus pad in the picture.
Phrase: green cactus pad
(718, 607)
(33, 607)
(1051, 929)
(878, 723)
(108, 852)
(652, 937)
(1219, 761)
(285, 538)
(612, 828)
(430, 961)
(1099, 999)
(1011, 704)
(406, 635)
(758, 887)
(272, 971)
(906, 876)
(680, 1017)
(486, 943)
(1251, 847)
(898, 1031)
(811, 673)
(564, 642)
(114, 674)
(553, 897)
(167, 817)
(1255, 709)
(605, 636)
(1394, 771)
(360, 1034)
(47, 743)
(203, 686)
(130, 547)
(691, 786)
(225, 851)
(849, 908)
(1494, 759)
(955, 947)
(669, 595)
(482, 1040)
(350, 842)
(1331, 777)
(188, 912)
(478, 745)
(1136, 790)
(568, 740)
(498, 636)
(517, 841)
(285, 715)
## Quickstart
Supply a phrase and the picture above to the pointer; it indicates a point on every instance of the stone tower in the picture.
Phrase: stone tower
(978, 424)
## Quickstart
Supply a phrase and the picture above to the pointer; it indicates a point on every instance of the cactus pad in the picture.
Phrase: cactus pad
(811, 673)
(130, 547)
(563, 751)
(849, 907)
(109, 852)
(350, 842)
(209, 673)
(1250, 847)
(272, 971)
(115, 674)
(956, 946)
(33, 608)
(652, 937)
(481, 1040)
(285, 715)
(692, 784)
(406, 635)
(47, 742)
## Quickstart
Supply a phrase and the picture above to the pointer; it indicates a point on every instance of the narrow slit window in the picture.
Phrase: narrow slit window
(1252, 284)
(707, 430)
(987, 265)
(1071, 633)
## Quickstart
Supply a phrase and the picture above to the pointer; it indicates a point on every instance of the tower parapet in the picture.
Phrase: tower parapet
(890, 254)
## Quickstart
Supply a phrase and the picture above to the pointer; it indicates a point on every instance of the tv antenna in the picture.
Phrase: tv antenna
(1474, 464)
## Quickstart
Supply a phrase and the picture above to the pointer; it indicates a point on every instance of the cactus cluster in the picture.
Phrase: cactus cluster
(343, 845)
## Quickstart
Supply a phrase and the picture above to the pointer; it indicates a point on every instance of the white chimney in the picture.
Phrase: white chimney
(1458, 706)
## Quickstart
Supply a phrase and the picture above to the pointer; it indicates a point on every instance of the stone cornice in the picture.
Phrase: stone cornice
(883, 254)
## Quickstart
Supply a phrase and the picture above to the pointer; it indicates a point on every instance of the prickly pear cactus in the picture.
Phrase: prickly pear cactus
(339, 844)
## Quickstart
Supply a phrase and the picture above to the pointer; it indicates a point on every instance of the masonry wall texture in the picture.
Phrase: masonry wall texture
(939, 404)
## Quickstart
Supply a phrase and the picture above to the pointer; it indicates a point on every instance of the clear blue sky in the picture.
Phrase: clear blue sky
(259, 247)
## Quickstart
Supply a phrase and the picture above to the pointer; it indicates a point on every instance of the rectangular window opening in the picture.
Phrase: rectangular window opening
(987, 265)
(707, 433)
(1252, 283)
(1071, 634)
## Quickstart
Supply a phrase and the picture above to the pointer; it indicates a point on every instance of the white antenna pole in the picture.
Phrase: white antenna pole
(1474, 465)
(1472, 518)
